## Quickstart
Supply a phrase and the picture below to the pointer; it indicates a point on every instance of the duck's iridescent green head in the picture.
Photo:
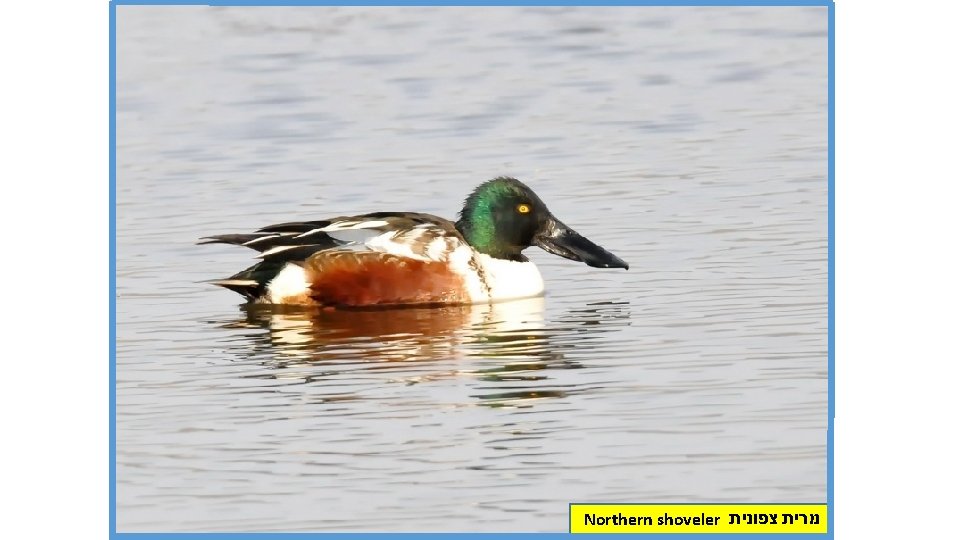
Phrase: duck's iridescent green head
(502, 217)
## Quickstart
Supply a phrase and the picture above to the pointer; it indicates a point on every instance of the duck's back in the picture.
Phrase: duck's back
(374, 259)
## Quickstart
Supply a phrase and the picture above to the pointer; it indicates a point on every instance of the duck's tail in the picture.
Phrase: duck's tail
(277, 251)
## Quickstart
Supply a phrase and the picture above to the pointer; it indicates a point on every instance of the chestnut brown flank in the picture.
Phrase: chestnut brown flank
(368, 278)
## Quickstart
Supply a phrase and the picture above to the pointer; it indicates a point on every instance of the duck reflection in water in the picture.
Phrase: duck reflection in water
(508, 347)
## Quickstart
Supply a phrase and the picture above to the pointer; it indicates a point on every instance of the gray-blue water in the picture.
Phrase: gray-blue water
(692, 142)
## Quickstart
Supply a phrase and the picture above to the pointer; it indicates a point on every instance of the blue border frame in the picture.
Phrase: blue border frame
(831, 261)
(113, 269)
(356, 3)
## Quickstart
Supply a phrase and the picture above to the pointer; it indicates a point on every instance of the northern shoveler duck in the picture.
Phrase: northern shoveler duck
(400, 258)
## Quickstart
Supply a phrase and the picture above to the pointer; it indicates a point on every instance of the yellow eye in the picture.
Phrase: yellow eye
(523, 208)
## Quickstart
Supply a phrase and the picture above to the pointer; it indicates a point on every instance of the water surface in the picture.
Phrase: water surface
(691, 142)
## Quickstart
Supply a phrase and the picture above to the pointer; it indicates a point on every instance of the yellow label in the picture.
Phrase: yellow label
(698, 518)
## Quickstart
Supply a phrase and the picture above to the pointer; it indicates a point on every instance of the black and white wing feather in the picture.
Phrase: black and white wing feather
(414, 235)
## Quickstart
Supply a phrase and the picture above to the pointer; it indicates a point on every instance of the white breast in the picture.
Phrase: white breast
(510, 279)
(492, 280)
